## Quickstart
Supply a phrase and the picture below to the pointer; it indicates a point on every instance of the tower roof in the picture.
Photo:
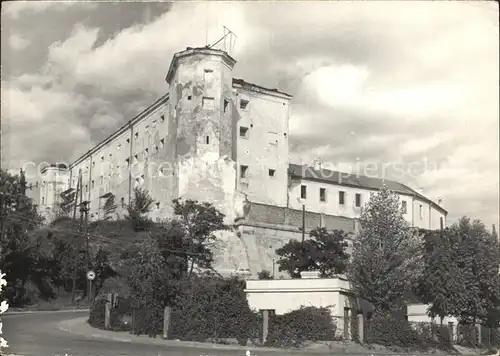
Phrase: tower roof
(189, 51)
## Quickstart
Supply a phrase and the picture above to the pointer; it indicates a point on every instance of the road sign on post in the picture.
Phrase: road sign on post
(90, 277)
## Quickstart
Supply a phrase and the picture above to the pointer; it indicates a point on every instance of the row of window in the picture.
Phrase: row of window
(244, 172)
(136, 135)
(322, 196)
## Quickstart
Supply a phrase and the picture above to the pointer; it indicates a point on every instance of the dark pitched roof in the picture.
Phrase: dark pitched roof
(354, 180)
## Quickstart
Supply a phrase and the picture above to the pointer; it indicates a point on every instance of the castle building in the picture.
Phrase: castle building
(216, 138)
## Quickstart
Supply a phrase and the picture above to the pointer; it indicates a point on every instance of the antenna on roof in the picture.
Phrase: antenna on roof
(227, 42)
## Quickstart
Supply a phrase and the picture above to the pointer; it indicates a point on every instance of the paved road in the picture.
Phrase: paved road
(38, 335)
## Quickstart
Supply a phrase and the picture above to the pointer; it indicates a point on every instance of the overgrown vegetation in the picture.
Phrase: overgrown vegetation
(324, 251)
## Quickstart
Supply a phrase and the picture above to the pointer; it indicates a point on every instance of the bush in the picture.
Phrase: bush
(305, 324)
(97, 311)
(387, 330)
(213, 308)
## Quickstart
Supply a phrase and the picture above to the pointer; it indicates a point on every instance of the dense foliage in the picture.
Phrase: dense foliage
(386, 329)
(305, 324)
(323, 251)
(461, 275)
(387, 255)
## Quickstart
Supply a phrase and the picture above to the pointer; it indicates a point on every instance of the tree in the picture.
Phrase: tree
(198, 222)
(18, 217)
(441, 285)
(264, 274)
(140, 205)
(324, 251)
(109, 207)
(478, 265)
(387, 254)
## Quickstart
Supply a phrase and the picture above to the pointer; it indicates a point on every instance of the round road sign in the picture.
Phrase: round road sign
(90, 275)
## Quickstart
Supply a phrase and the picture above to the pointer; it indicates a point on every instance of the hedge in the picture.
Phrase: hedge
(387, 330)
(205, 308)
(296, 327)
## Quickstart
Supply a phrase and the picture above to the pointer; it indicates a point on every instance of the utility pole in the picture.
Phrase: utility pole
(75, 261)
(85, 210)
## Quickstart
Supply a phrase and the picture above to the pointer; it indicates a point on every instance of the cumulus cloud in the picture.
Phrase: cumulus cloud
(18, 42)
(396, 82)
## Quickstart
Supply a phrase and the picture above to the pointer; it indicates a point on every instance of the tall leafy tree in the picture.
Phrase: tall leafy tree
(18, 216)
(478, 263)
(199, 223)
(441, 285)
(324, 251)
(387, 254)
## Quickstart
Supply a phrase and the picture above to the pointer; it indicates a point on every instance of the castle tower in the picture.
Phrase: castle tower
(200, 113)
(200, 91)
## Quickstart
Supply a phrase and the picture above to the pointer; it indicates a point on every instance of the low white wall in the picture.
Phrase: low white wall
(418, 313)
(285, 295)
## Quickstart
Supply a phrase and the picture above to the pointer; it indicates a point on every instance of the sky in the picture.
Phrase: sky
(403, 90)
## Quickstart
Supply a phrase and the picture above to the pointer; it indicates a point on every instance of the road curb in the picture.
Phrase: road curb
(66, 326)
(46, 311)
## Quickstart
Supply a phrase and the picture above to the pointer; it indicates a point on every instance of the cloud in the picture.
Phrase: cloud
(15, 9)
(17, 42)
(396, 82)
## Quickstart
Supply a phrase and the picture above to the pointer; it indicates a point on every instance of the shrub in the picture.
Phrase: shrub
(388, 330)
(212, 308)
(96, 317)
(304, 324)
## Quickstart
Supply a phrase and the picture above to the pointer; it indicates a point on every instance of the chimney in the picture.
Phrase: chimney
(420, 190)
(440, 201)
(317, 164)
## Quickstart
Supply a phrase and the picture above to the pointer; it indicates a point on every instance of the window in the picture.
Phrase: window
(162, 143)
(137, 135)
(341, 198)
(272, 172)
(102, 158)
(207, 140)
(156, 149)
(244, 131)
(128, 140)
(226, 104)
(101, 179)
(303, 192)
(157, 206)
(162, 118)
(93, 163)
(243, 171)
(146, 151)
(43, 200)
(86, 188)
(208, 103)
(243, 104)
(93, 184)
(136, 158)
(441, 223)
(154, 123)
(358, 200)
(123, 201)
(208, 74)
(322, 194)
(404, 207)
(421, 211)
(128, 162)
(189, 97)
